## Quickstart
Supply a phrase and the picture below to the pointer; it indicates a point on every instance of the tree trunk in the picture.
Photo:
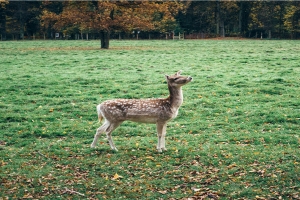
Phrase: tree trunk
(244, 14)
(240, 17)
(104, 35)
(218, 18)
(222, 26)
(3, 23)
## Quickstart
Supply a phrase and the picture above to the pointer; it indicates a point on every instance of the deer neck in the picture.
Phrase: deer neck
(176, 97)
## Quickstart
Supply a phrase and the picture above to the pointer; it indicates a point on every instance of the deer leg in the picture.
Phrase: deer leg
(163, 140)
(161, 133)
(109, 130)
(98, 132)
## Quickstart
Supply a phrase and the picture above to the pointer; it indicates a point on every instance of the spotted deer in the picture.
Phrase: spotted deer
(155, 111)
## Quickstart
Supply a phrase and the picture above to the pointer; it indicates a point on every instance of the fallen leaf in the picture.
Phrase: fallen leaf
(196, 189)
(274, 176)
(117, 176)
(163, 192)
(232, 166)
(150, 157)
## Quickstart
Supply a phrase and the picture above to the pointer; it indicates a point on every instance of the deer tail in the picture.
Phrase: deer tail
(100, 116)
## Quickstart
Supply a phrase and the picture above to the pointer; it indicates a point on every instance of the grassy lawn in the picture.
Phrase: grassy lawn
(236, 135)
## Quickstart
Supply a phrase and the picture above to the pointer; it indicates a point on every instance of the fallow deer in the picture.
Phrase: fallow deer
(155, 111)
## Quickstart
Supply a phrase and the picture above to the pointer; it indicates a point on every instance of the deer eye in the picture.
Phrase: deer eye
(175, 79)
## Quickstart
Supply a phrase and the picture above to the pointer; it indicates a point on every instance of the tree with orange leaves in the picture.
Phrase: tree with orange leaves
(105, 16)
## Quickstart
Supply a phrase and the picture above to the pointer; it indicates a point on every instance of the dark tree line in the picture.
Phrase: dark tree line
(267, 19)
(125, 19)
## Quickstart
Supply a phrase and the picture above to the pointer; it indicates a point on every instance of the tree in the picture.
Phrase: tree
(50, 11)
(292, 18)
(267, 17)
(199, 17)
(22, 18)
(244, 13)
(226, 17)
(215, 17)
(3, 20)
(105, 16)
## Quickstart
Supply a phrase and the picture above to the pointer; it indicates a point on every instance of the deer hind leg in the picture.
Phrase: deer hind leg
(109, 130)
(100, 130)
(161, 133)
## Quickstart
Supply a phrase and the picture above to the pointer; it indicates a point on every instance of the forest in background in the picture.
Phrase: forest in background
(148, 19)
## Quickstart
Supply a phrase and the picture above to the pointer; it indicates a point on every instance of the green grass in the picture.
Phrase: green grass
(236, 135)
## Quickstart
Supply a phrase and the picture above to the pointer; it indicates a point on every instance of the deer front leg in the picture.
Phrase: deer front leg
(161, 133)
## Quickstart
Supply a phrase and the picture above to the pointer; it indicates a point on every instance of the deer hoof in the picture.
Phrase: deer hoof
(115, 149)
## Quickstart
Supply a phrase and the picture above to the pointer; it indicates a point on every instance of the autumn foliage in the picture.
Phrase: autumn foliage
(104, 16)
(197, 19)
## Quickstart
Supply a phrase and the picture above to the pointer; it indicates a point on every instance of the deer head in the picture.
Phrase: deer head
(177, 80)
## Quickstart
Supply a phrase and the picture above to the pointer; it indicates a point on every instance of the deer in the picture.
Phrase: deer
(155, 111)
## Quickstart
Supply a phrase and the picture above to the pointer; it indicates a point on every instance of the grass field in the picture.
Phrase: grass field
(236, 135)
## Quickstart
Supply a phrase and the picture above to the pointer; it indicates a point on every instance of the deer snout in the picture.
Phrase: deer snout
(190, 78)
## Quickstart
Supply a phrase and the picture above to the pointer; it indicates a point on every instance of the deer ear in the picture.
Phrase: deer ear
(178, 73)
